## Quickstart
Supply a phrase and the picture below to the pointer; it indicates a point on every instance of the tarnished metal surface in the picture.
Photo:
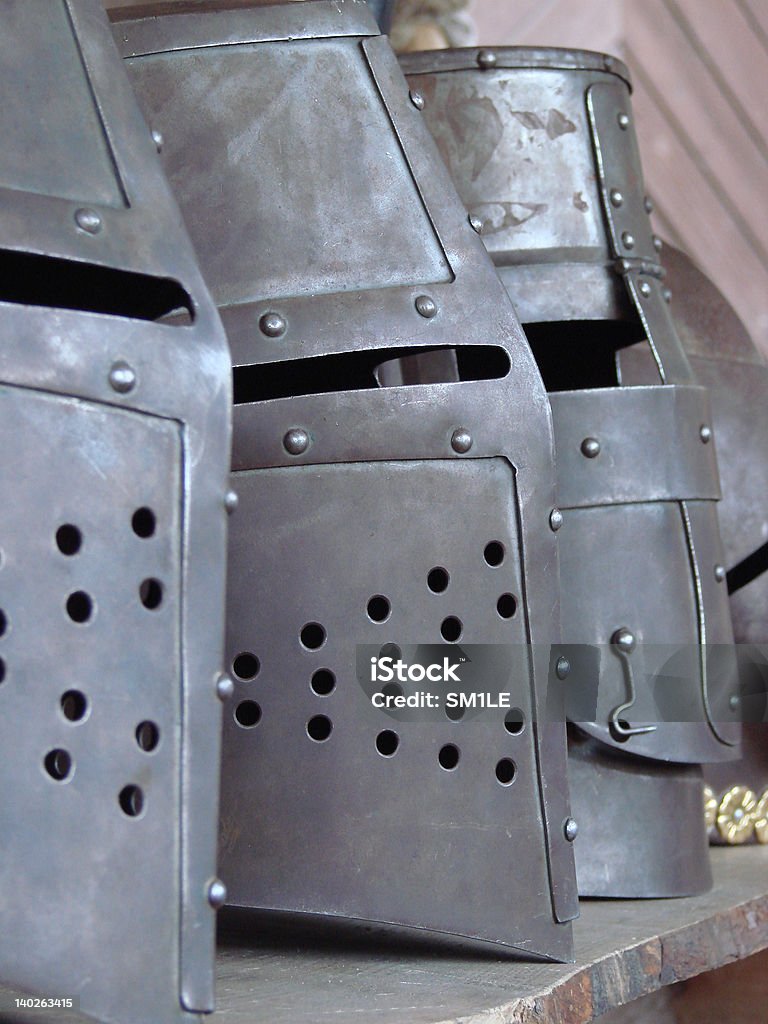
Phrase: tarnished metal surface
(542, 149)
(115, 437)
(724, 358)
(661, 846)
(339, 254)
(516, 140)
(631, 464)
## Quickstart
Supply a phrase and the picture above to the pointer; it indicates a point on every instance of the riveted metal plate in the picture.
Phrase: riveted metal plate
(319, 459)
(618, 168)
(394, 838)
(725, 360)
(514, 57)
(517, 141)
(647, 295)
(639, 465)
(689, 707)
(115, 417)
(91, 672)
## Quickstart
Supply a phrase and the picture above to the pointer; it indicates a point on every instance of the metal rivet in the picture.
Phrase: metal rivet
(705, 433)
(230, 501)
(88, 220)
(296, 441)
(225, 688)
(623, 120)
(658, 245)
(628, 239)
(719, 573)
(590, 447)
(461, 440)
(648, 203)
(617, 198)
(555, 520)
(645, 289)
(562, 668)
(272, 324)
(416, 99)
(157, 138)
(734, 702)
(570, 829)
(475, 223)
(624, 639)
(486, 59)
(122, 377)
(217, 894)
(426, 306)
(667, 295)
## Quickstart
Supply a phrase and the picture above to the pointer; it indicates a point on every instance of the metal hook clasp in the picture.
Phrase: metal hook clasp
(625, 642)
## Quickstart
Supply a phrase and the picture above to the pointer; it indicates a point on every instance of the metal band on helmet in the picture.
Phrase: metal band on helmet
(115, 425)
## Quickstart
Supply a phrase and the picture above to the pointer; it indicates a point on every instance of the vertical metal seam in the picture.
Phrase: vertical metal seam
(702, 622)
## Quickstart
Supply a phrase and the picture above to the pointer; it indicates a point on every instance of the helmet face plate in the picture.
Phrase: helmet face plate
(369, 452)
(115, 423)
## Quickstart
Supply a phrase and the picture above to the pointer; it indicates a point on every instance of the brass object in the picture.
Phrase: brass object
(760, 818)
(735, 816)
(710, 808)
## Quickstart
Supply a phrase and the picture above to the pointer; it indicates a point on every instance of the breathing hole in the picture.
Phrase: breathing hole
(58, 764)
(393, 690)
(147, 736)
(450, 629)
(455, 714)
(323, 681)
(379, 608)
(319, 728)
(514, 722)
(387, 742)
(438, 579)
(448, 756)
(312, 636)
(391, 651)
(144, 522)
(69, 540)
(247, 714)
(246, 666)
(506, 771)
(2, 671)
(506, 606)
(79, 606)
(131, 800)
(3, 622)
(494, 553)
(74, 705)
(151, 593)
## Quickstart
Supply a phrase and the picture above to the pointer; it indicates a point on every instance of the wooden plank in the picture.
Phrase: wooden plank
(309, 972)
(734, 54)
(702, 118)
(709, 234)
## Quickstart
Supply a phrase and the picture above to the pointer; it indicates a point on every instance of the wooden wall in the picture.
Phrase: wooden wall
(700, 69)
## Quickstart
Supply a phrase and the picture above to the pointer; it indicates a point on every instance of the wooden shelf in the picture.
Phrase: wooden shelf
(283, 972)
